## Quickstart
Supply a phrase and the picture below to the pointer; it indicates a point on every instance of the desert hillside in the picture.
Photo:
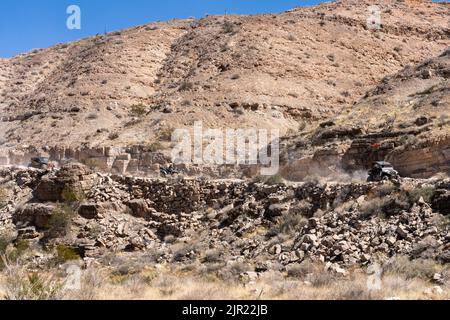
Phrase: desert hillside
(274, 70)
(405, 120)
(110, 206)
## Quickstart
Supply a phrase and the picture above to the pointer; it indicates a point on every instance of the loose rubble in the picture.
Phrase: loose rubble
(269, 226)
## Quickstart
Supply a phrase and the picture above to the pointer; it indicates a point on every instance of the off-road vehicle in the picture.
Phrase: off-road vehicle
(169, 171)
(41, 163)
(383, 171)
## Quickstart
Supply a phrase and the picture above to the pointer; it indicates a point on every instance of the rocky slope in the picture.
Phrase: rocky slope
(270, 226)
(282, 70)
(404, 120)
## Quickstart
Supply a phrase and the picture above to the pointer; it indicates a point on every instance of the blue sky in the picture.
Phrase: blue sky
(30, 24)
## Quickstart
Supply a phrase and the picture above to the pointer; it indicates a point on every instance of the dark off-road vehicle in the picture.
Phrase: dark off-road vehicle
(41, 163)
(383, 171)
(169, 171)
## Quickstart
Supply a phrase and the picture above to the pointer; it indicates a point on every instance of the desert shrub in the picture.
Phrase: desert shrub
(270, 180)
(72, 194)
(21, 285)
(138, 110)
(60, 222)
(4, 243)
(165, 134)
(186, 103)
(443, 121)
(65, 253)
(151, 28)
(3, 197)
(185, 86)
(426, 193)
(275, 179)
(383, 207)
(408, 140)
(321, 279)
(357, 291)
(10, 250)
(384, 190)
(92, 279)
(21, 246)
(229, 27)
(301, 270)
(372, 207)
(410, 269)
(386, 200)
(182, 251)
(236, 268)
(153, 147)
(288, 223)
(214, 267)
(92, 116)
(113, 136)
(213, 256)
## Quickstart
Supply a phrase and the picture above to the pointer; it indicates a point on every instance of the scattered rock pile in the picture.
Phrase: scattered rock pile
(270, 226)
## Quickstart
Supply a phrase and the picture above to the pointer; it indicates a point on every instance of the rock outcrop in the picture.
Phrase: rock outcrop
(340, 224)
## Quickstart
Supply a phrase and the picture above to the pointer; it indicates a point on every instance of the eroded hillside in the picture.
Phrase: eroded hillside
(280, 70)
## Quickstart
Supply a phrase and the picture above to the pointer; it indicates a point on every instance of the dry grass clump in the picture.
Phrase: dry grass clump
(413, 269)
(19, 284)
(306, 281)
(3, 197)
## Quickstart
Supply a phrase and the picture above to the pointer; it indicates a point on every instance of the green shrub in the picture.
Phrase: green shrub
(138, 110)
(60, 222)
(426, 193)
(21, 285)
(155, 146)
(9, 252)
(72, 194)
(21, 246)
(65, 253)
(3, 197)
(5, 241)
(166, 134)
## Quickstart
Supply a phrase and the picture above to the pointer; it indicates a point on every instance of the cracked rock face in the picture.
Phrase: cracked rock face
(265, 225)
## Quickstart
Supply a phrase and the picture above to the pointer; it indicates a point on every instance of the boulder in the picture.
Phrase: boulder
(441, 201)
(89, 211)
(139, 208)
(48, 190)
(37, 214)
